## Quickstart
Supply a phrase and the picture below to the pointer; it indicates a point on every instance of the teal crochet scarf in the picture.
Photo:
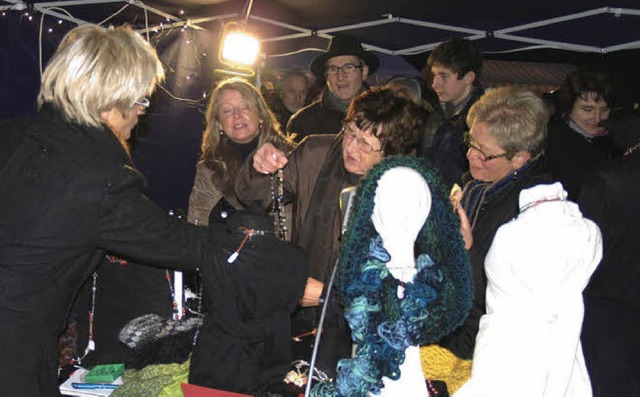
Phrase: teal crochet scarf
(382, 325)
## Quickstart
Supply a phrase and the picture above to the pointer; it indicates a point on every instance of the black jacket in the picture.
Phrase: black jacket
(443, 146)
(244, 344)
(496, 210)
(610, 341)
(570, 155)
(319, 117)
(68, 193)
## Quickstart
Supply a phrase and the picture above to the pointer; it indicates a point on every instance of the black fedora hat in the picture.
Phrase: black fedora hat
(344, 45)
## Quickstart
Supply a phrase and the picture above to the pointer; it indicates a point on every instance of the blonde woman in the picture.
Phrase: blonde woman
(69, 193)
(238, 122)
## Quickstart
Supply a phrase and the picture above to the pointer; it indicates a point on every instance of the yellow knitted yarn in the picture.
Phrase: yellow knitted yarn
(439, 363)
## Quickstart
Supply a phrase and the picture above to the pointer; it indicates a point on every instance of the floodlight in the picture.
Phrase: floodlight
(239, 48)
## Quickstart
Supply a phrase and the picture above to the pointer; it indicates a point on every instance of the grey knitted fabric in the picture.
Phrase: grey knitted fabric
(152, 327)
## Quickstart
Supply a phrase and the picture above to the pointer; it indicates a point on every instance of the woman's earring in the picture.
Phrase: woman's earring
(221, 132)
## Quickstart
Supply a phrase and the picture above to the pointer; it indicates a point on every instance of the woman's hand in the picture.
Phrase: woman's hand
(465, 226)
(269, 159)
(312, 293)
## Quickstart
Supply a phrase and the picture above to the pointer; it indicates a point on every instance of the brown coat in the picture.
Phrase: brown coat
(302, 175)
(204, 195)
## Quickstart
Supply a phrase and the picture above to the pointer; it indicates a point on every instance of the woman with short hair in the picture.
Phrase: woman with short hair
(378, 124)
(577, 142)
(506, 141)
(70, 193)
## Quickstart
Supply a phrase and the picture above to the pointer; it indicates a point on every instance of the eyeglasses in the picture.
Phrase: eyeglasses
(481, 155)
(142, 102)
(347, 68)
(363, 145)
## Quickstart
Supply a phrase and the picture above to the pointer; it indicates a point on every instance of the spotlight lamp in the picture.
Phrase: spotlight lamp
(238, 51)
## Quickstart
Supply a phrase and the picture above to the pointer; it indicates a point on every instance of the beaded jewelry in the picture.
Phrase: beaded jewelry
(91, 344)
(248, 234)
(631, 150)
(300, 374)
(277, 205)
(538, 202)
(174, 303)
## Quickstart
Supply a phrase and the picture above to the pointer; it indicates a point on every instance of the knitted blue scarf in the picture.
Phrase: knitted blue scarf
(382, 325)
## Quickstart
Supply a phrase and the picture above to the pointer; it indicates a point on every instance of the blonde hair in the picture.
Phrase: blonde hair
(269, 126)
(517, 119)
(96, 69)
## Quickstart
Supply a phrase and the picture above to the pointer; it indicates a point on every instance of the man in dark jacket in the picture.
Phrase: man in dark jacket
(69, 194)
(455, 65)
(346, 66)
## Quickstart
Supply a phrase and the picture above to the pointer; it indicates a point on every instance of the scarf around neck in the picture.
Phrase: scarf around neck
(382, 324)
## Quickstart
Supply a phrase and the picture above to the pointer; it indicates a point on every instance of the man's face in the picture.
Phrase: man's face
(345, 85)
(294, 92)
(448, 87)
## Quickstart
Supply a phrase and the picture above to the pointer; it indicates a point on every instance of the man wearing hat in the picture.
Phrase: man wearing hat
(345, 66)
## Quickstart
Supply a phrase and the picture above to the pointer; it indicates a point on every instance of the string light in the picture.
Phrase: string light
(193, 77)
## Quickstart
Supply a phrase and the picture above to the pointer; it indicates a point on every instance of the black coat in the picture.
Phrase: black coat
(570, 155)
(244, 344)
(494, 211)
(610, 338)
(68, 193)
(442, 144)
(319, 117)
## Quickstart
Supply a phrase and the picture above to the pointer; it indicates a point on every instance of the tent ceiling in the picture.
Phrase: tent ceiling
(400, 27)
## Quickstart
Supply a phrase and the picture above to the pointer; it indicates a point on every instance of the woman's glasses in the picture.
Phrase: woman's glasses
(363, 145)
(142, 105)
(481, 155)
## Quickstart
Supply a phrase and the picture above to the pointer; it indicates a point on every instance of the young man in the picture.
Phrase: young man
(455, 65)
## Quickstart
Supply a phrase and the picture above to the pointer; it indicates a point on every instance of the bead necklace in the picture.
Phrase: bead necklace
(277, 205)
(248, 234)
(91, 344)
(174, 304)
(538, 202)
(632, 149)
